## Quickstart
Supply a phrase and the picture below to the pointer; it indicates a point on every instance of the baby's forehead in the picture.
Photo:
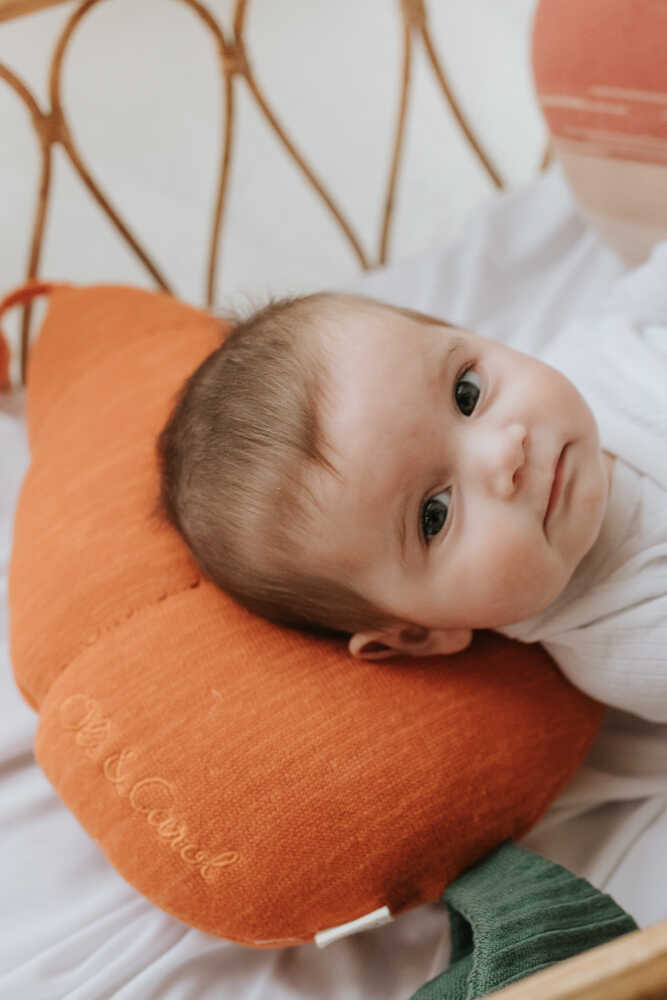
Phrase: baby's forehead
(354, 321)
(357, 306)
(379, 362)
(366, 332)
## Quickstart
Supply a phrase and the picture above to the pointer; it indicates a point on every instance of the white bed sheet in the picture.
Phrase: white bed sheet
(72, 929)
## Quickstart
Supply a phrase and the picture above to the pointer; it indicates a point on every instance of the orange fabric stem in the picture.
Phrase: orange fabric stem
(23, 294)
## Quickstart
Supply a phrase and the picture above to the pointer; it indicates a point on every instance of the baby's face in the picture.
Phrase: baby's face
(471, 477)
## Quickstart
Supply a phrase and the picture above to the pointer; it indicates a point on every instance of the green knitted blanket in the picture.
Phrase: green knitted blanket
(513, 914)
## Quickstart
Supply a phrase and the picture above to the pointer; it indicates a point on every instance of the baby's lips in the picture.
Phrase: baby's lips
(556, 482)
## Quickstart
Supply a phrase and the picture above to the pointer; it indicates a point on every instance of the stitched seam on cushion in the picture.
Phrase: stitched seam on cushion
(103, 630)
(115, 623)
(171, 832)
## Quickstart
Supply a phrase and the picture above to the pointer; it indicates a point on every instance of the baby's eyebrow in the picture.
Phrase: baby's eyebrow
(401, 529)
(454, 344)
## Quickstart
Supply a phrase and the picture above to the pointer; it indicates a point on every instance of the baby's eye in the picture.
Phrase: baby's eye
(466, 391)
(434, 514)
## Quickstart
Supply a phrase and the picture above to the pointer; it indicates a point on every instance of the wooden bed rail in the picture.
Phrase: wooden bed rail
(632, 967)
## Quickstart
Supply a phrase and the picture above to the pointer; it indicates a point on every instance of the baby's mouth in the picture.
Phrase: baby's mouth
(556, 484)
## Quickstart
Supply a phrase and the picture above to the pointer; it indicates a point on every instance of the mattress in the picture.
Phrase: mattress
(72, 929)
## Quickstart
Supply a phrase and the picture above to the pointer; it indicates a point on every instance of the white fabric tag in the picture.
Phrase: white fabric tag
(366, 923)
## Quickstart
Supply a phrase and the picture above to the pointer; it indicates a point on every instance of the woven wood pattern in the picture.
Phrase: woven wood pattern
(52, 127)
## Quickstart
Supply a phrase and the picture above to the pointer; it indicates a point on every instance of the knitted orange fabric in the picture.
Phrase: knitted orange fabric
(256, 783)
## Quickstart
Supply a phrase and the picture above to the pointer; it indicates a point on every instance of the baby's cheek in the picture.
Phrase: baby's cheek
(521, 577)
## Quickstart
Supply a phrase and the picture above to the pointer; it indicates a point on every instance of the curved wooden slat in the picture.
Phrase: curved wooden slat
(387, 214)
(52, 126)
(465, 127)
(43, 127)
(65, 137)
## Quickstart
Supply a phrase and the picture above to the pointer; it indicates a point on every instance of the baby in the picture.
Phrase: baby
(343, 466)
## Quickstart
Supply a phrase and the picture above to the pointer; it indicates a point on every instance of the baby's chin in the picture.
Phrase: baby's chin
(594, 506)
(596, 502)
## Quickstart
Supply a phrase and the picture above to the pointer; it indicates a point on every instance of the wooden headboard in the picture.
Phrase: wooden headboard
(52, 126)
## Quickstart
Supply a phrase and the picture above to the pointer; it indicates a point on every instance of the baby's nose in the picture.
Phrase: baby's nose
(506, 458)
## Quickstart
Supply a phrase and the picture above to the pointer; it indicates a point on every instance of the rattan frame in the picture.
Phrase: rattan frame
(51, 125)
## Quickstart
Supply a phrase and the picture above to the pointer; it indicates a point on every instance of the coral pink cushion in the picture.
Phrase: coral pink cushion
(601, 77)
(256, 783)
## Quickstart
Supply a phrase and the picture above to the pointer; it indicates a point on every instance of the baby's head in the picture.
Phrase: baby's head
(343, 466)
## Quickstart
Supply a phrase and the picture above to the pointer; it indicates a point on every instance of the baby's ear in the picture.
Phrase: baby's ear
(371, 646)
(408, 640)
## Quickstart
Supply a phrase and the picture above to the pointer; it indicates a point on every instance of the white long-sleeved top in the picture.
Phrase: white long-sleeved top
(607, 631)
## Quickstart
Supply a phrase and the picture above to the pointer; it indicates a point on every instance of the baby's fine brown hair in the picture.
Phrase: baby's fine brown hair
(233, 456)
